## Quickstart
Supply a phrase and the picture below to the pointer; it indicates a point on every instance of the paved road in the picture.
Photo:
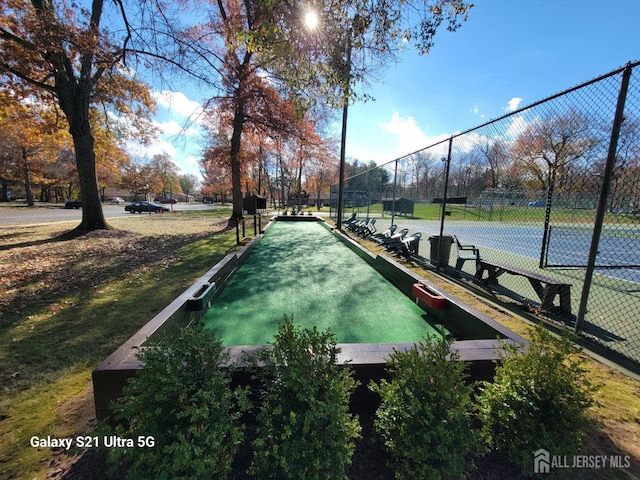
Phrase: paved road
(12, 214)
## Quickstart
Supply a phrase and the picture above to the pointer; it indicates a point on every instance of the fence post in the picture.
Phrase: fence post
(368, 193)
(393, 203)
(604, 193)
(444, 199)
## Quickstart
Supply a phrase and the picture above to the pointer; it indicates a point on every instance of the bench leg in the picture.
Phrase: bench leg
(479, 273)
(549, 293)
(541, 291)
(565, 299)
(492, 274)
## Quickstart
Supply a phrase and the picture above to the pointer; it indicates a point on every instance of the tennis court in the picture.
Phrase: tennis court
(568, 248)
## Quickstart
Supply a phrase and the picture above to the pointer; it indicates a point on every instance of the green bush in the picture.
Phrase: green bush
(183, 400)
(538, 399)
(425, 413)
(304, 428)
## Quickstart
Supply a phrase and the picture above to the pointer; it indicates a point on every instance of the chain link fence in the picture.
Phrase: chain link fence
(542, 205)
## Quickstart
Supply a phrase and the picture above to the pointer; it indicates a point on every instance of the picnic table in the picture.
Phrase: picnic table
(546, 288)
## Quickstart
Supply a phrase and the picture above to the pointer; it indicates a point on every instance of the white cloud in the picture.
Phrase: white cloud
(513, 104)
(517, 125)
(476, 111)
(177, 102)
(410, 136)
(187, 164)
(148, 151)
(172, 127)
(393, 139)
(191, 166)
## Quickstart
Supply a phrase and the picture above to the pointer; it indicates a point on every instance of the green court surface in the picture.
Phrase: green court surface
(300, 269)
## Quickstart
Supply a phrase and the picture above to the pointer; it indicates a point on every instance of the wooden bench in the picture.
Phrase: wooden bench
(546, 288)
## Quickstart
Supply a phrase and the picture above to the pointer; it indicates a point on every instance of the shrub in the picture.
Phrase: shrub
(538, 399)
(184, 401)
(304, 428)
(425, 413)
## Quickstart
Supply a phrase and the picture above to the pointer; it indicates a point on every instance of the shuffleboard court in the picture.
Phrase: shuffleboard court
(300, 269)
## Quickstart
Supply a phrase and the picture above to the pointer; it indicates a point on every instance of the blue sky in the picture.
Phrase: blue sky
(508, 54)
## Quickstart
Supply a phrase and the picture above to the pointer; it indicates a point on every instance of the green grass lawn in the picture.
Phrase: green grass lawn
(69, 304)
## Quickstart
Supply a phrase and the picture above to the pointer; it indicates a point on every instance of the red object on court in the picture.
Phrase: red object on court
(431, 298)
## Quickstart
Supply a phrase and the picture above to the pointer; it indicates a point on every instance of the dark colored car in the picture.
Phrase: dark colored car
(73, 204)
(145, 207)
(169, 200)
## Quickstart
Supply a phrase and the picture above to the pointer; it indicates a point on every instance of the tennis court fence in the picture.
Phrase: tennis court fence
(552, 188)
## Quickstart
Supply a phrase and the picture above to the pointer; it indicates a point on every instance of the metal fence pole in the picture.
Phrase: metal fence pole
(368, 194)
(444, 198)
(393, 203)
(604, 193)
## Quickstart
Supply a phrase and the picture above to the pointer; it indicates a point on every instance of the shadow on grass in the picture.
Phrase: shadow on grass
(44, 241)
(99, 306)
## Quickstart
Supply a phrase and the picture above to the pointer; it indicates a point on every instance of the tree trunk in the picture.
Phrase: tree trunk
(300, 181)
(74, 100)
(236, 184)
(236, 137)
(284, 201)
(92, 214)
(27, 179)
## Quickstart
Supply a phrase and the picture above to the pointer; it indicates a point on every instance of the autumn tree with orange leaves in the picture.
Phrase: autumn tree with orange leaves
(275, 128)
(78, 56)
(31, 136)
(242, 45)
(62, 50)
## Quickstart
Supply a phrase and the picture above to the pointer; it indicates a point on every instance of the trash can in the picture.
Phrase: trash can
(442, 259)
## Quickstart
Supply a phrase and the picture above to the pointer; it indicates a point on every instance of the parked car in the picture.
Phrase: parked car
(145, 207)
(538, 203)
(116, 201)
(73, 204)
(169, 200)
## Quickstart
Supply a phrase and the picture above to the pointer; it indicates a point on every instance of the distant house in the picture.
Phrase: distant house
(322, 200)
(296, 198)
(109, 193)
(183, 197)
